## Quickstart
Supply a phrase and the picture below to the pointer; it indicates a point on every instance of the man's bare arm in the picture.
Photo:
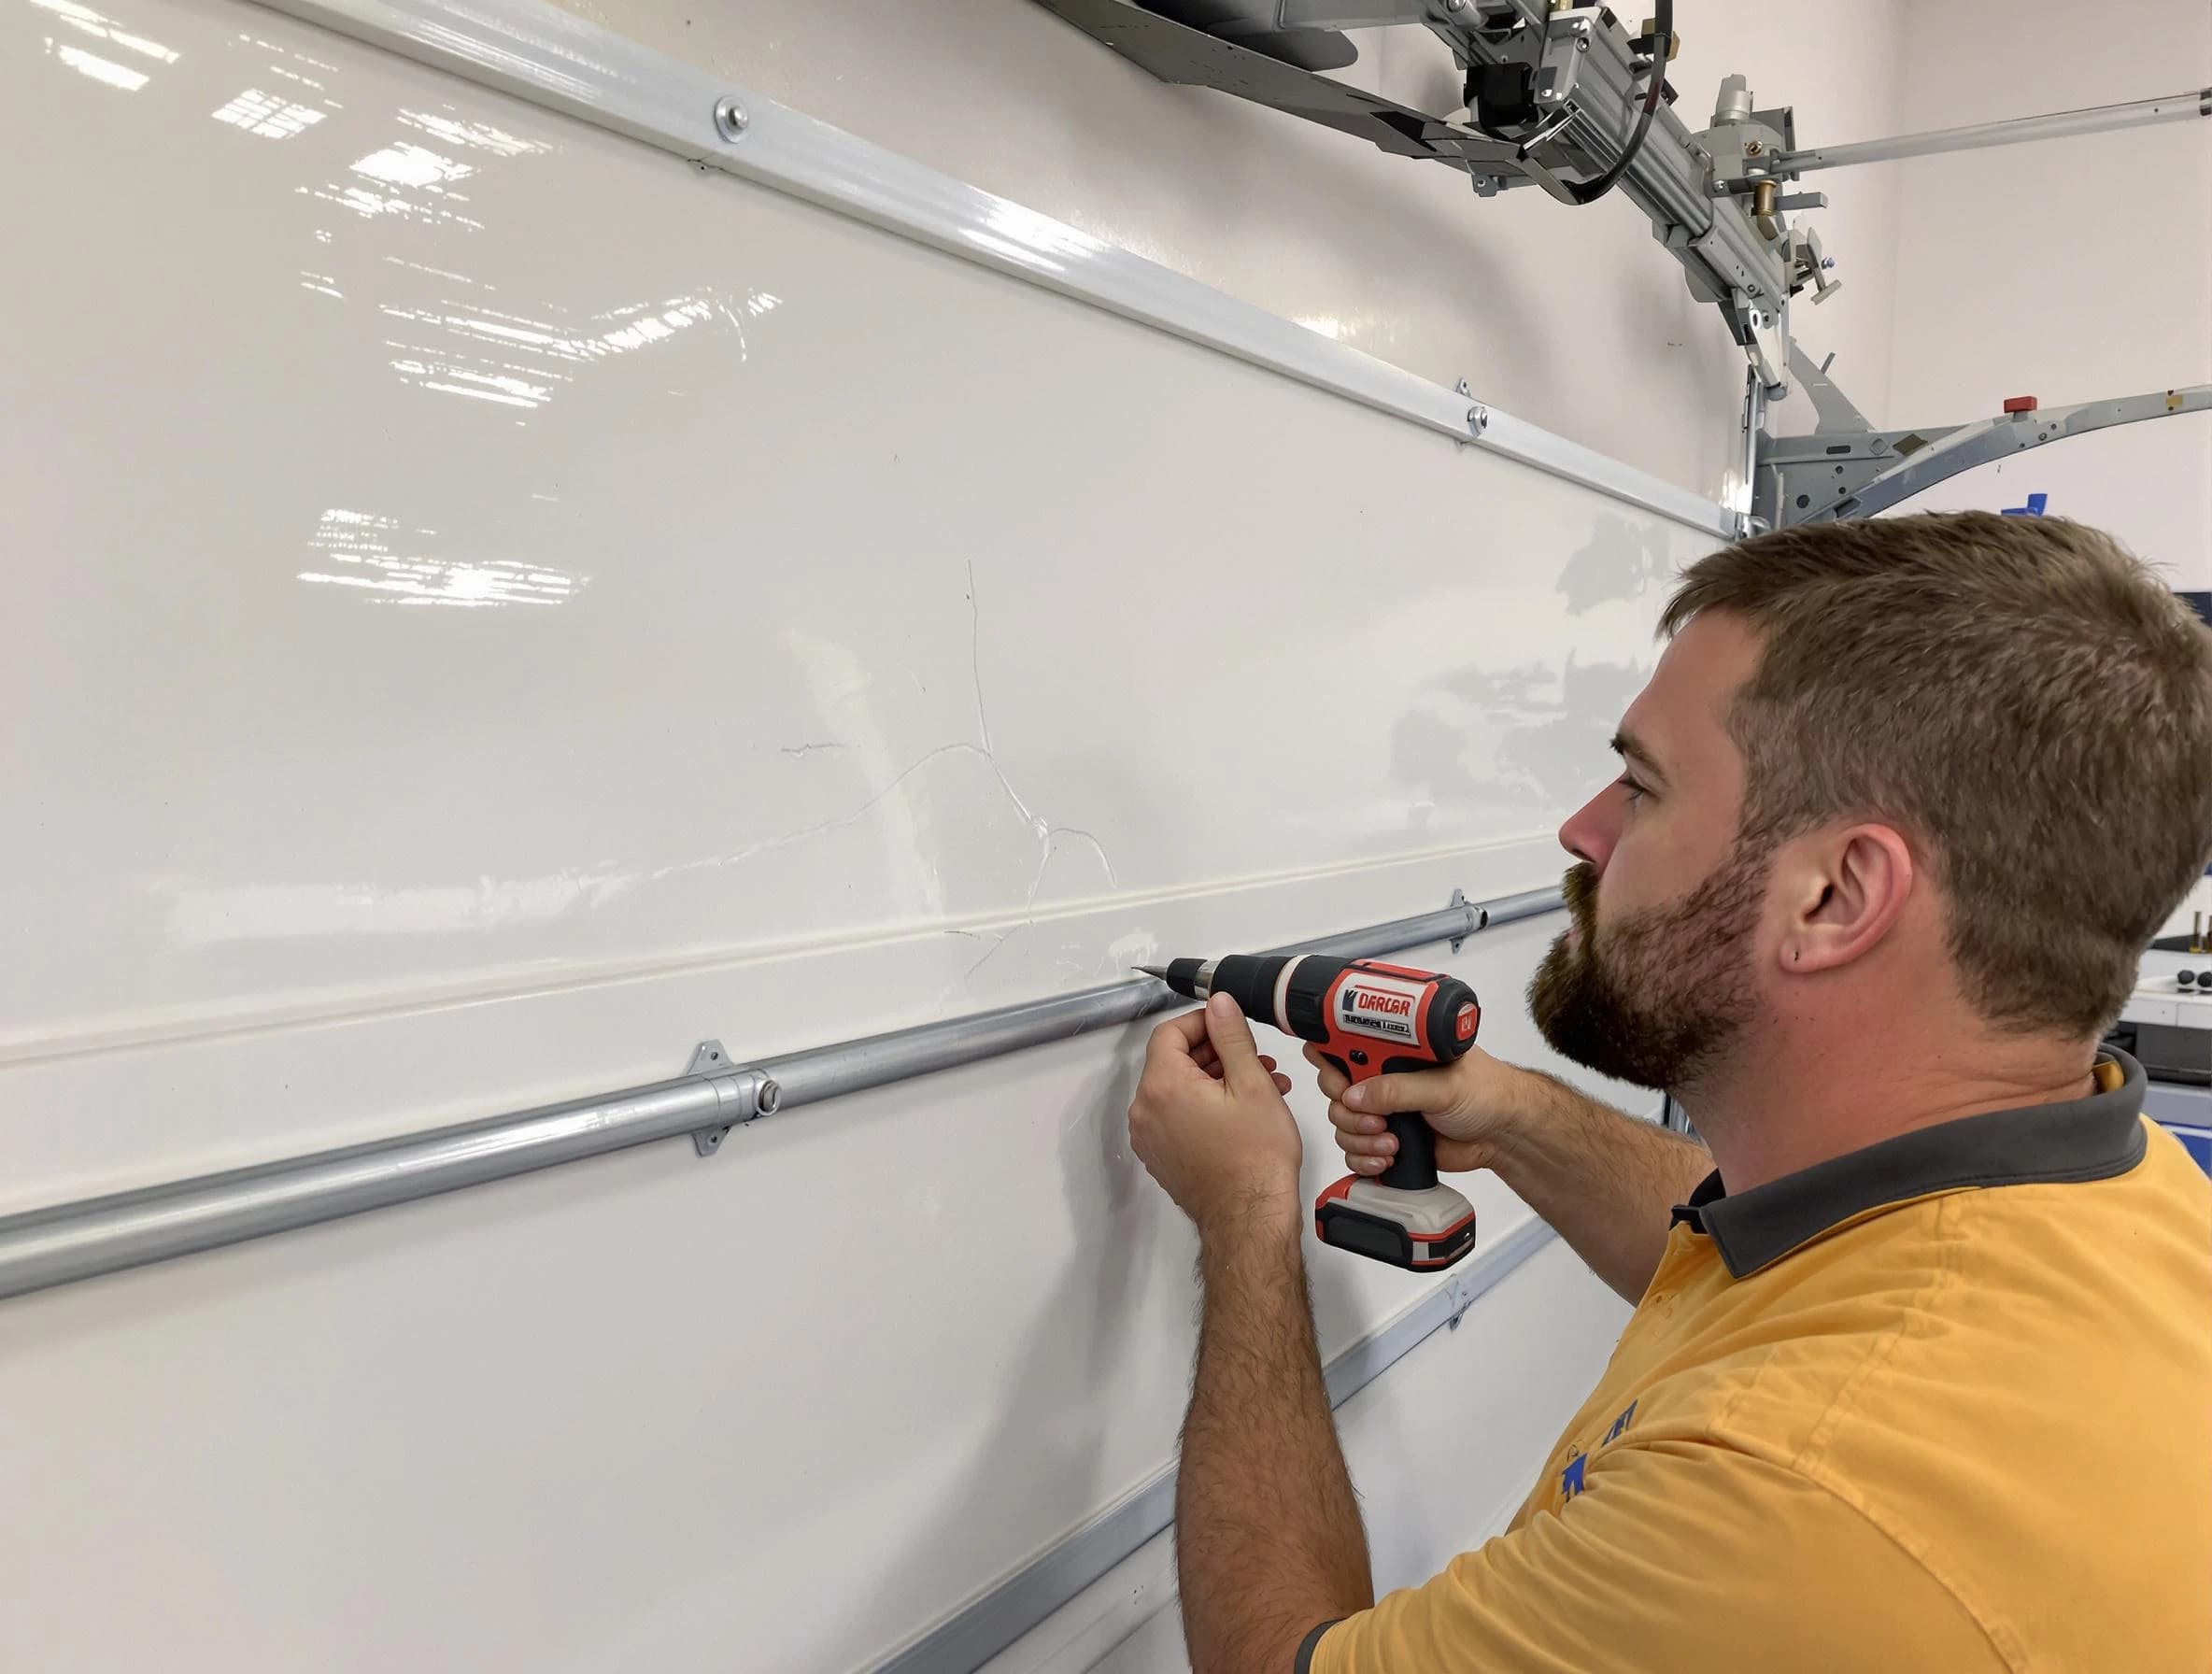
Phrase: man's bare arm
(1604, 1181)
(1268, 1543)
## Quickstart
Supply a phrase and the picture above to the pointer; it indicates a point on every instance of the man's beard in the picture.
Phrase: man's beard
(1664, 996)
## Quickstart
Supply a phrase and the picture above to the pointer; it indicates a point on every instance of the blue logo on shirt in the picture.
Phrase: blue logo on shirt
(1620, 1424)
(1570, 1479)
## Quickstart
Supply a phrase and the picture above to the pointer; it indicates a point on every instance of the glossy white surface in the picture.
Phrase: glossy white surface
(494, 607)
(557, 58)
(1571, 320)
(521, 610)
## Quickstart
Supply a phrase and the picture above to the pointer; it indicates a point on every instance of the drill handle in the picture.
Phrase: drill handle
(1413, 1167)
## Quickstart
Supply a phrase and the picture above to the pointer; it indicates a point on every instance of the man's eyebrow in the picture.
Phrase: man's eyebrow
(1632, 749)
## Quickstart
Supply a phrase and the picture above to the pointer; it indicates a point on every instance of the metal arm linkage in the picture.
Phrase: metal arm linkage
(1554, 98)
(1553, 94)
(1848, 469)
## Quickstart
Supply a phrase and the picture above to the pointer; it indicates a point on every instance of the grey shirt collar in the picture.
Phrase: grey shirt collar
(2081, 1139)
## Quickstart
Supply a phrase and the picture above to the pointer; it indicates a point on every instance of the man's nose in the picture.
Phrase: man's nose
(1592, 829)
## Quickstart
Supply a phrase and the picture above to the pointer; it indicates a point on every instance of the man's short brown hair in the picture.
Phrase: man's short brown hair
(2022, 700)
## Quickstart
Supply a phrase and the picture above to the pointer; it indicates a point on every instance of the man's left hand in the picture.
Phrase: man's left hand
(1209, 1123)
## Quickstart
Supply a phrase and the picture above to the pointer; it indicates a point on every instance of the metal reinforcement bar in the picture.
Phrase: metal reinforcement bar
(65, 1243)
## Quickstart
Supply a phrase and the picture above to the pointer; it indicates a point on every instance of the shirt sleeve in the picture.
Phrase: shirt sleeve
(1677, 1558)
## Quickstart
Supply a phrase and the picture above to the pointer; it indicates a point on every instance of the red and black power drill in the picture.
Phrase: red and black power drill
(1368, 1020)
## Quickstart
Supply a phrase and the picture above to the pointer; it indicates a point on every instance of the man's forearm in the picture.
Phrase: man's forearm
(1268, 1537)
(1604, 1181)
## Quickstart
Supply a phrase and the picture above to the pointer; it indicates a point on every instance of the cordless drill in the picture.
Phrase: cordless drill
(1368, 1020)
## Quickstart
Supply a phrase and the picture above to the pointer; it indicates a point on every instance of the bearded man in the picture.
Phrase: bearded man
(1919, 1375)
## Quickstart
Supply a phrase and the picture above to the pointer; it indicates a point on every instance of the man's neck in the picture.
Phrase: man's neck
(1777, 1113)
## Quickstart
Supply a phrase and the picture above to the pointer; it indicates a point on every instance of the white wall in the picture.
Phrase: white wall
(1572, 319)
(434, 693)
(2068, 269)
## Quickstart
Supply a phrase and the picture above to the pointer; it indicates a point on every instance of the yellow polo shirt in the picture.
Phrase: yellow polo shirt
(1942, 1404)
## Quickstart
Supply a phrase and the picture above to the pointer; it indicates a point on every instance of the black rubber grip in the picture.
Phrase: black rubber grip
(1415, 1167)
(1305, 1004)
(1249, 979)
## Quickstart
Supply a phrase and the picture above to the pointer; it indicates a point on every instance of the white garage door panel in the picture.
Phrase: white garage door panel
(494, 607)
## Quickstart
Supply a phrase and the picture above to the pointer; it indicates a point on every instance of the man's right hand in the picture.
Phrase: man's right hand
(1473, 1104)
(1602, 1179)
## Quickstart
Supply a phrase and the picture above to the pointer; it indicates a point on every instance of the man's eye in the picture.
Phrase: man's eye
(1635, 792)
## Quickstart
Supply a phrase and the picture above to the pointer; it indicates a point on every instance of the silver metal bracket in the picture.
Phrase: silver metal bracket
(1478, 918)
(709, 1057)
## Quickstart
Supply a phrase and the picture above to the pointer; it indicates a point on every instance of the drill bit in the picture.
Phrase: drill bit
(1159, 972)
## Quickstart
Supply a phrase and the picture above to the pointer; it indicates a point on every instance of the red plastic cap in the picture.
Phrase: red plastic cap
(2020, 403)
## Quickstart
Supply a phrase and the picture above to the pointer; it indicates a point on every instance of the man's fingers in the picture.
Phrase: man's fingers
(1232, 1040)
(1364, 1137)
(1210, 1060)
(1350, 1121)
(1185, 1038)
(1356, 1138)
(1205, 1056)
(1177, 1038)
(1424, 1089)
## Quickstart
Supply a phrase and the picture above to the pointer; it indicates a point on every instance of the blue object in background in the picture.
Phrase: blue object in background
(2197, 1142)
(2033, 509)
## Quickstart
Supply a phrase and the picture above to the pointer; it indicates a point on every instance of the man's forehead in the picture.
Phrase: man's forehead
(1682, 711)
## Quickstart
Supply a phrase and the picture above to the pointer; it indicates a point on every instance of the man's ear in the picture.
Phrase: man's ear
(1848, 887)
